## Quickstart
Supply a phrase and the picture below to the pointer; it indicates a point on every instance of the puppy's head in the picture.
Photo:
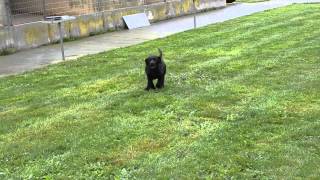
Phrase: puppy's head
(153, 61)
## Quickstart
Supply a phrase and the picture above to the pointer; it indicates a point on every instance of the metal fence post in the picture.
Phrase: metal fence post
(99, 6)
(61, 40)
(44, 8)
(194, 15)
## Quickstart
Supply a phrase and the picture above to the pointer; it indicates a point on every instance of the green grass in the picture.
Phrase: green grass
(241, 101)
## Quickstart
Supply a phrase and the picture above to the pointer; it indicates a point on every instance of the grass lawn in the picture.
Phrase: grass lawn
(241, 100)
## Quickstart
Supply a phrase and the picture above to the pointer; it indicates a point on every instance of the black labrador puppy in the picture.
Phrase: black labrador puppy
(155, 69)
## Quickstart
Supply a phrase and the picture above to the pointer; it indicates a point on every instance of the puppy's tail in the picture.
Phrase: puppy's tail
(160, 51)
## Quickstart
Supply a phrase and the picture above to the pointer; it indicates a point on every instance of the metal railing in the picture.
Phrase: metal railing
(13, 12)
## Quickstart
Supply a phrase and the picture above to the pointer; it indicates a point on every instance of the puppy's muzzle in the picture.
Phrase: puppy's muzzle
(153, 65)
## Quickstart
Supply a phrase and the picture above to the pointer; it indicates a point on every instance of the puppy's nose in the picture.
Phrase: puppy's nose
(152, 64)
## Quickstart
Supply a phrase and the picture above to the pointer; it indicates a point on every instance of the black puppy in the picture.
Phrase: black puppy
(155, 69)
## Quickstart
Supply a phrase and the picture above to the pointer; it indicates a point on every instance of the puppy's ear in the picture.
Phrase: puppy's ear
(147, 61)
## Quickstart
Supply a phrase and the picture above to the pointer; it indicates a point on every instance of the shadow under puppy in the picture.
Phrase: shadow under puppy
(155, 69)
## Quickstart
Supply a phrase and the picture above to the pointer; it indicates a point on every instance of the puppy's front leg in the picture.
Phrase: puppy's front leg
(150, 84)
(160, 83)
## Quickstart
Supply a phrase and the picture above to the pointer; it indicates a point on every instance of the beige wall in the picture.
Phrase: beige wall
(52, 7)
(73, 7)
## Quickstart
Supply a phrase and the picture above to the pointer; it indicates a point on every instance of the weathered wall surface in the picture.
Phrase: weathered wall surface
(73, 7)
(52, 7)
(37, 34)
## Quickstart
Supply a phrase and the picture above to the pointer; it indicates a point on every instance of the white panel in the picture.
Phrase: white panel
(136, 20)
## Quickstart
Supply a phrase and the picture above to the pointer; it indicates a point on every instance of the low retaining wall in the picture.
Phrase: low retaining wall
(36, 34)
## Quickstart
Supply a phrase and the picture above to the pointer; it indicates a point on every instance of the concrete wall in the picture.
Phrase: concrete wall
(37, 34)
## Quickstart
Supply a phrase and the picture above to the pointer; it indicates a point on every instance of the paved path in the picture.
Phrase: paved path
(39, 57)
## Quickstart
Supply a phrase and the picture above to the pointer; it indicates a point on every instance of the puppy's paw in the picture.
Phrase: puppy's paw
(159, 86)
(148, 88)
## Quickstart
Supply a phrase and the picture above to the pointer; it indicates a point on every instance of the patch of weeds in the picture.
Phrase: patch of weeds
(7, 51)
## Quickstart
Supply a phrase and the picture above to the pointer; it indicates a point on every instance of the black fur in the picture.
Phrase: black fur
(155, 69)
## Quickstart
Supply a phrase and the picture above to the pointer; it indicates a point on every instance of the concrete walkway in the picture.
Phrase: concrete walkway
(39, 57)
